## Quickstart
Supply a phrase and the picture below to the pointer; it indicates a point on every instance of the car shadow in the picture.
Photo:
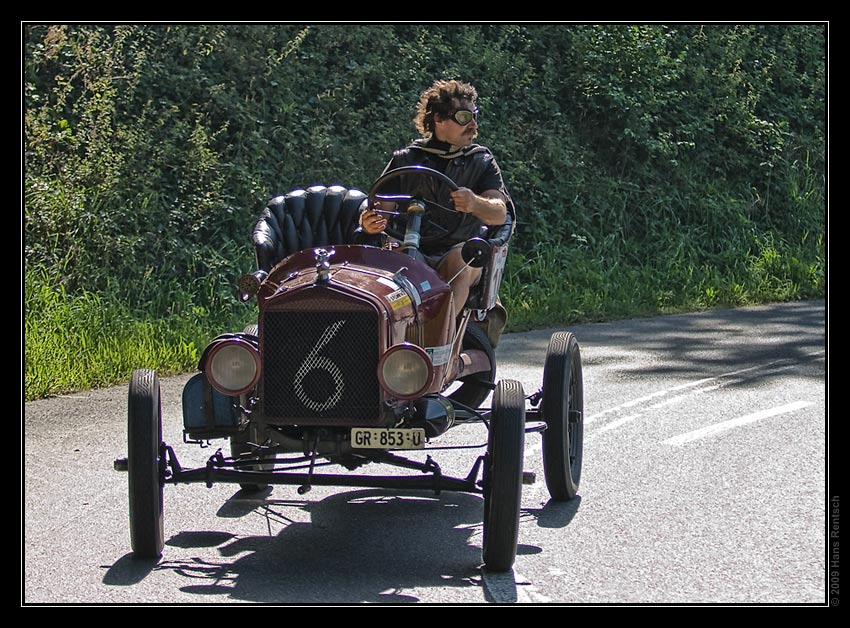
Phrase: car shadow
(356, 546)
(362, 546)
(555, 514)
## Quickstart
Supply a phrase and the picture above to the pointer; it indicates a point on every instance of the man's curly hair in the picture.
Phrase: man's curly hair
(439, 99)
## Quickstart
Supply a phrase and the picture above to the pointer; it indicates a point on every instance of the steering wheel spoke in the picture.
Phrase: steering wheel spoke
(442, 207)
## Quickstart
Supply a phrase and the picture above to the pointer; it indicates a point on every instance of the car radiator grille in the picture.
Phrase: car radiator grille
(320, 359)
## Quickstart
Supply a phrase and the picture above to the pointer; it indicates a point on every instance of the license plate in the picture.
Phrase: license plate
(384, 438)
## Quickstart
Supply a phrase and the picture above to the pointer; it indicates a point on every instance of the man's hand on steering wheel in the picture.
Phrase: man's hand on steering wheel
(489, 206)
(372, 222)
(464, 200)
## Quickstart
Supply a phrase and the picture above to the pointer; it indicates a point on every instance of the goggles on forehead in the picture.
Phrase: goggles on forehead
(464, 116)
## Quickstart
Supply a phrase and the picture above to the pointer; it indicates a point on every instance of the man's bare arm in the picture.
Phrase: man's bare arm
(489, 206)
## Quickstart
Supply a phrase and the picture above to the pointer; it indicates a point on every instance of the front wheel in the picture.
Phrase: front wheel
(563, 411)
(503, 476)
(145, 464)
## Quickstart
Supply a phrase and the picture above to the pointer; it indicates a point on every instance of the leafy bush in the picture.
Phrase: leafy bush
(655, 167)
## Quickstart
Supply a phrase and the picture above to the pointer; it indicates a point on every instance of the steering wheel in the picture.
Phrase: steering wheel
(417, 189)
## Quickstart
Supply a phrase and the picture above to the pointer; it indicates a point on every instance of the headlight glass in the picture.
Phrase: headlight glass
(233, 367)
(405, 371)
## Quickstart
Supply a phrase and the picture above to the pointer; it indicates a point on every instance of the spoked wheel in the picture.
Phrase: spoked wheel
(145, 464)
(563, 411)
(503, 476)
(475, 387)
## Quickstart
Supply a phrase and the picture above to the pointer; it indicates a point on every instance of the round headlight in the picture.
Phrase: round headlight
(405, 371)
(233, 367)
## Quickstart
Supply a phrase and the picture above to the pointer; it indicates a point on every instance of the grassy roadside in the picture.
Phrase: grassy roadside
(597, 288)
(82, 341)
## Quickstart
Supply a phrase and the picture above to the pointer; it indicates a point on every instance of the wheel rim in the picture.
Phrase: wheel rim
(576, 427)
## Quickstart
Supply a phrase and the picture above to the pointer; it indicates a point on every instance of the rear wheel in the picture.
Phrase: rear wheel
(503, 476)
(563, 411)
(145, 464)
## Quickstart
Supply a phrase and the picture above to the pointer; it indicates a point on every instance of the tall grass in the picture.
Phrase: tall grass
(557, 286)
(87, 340)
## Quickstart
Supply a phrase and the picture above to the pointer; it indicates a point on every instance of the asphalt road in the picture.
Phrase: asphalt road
(705, 481)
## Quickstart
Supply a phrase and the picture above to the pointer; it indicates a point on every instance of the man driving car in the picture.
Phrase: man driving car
(447, 120)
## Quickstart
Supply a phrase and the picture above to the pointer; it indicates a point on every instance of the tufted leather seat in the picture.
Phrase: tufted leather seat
(324, 216)
(302, 219)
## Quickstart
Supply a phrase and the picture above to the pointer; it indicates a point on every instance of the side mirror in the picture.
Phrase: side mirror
(476, 252)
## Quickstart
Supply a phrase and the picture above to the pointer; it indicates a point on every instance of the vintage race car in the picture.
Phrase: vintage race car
(357, 360)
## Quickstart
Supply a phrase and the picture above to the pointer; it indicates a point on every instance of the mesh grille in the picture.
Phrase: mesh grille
(320, 361)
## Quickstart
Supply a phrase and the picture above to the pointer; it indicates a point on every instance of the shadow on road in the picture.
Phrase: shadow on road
(362, 546)
(695, 345)
(556, 514)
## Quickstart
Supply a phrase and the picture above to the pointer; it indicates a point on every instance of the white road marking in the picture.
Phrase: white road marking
(698, 385)
(615, 424)
(512, 587)
(664, 402)
(667, 391)
(717, 428)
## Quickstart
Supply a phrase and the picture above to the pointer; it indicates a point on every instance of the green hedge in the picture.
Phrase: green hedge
(655, 166)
